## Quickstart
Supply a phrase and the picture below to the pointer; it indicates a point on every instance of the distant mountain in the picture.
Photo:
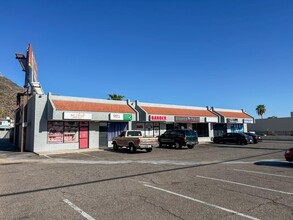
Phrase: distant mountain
(8, 94)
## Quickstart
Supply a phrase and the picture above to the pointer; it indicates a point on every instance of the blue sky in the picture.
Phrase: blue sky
(233, 54)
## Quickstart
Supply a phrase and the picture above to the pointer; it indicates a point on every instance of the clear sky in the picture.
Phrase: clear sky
(231, 54)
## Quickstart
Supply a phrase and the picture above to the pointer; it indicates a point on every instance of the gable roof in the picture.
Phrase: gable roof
(62, 105)
(227, 114)
(178, 111)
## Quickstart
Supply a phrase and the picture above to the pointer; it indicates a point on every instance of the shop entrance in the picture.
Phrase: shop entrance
(83, 135)
(220, 129)
(103, 135)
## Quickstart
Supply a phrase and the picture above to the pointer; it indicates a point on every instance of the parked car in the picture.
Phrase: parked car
(133, 140)
(249, 138)
(289, 155)
(234, 138)
(178, 138)
(256, 138)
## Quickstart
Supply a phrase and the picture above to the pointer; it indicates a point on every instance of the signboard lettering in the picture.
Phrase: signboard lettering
(248, 120)
(186, 119)
(158, 117)
(232, 120)
(77, 115)
(119, 116)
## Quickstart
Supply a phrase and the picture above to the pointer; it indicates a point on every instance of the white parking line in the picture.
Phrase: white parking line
(202, 202)
(269, 174)
(84, 214)
(242, 184)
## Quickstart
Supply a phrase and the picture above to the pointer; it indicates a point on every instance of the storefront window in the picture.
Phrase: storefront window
(219, 129)
(71, 131)
(202, 129)
(237, 128)
(63, 132)
(115, 129)
(169, 126)
(55, 132)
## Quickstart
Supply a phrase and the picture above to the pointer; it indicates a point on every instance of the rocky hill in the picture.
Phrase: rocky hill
(8, 94)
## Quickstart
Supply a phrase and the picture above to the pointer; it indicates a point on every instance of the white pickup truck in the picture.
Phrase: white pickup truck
(133, 140)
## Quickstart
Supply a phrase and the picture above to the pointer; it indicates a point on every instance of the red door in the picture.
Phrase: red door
(83, 135)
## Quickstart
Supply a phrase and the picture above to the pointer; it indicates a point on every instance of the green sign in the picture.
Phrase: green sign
(127, 117)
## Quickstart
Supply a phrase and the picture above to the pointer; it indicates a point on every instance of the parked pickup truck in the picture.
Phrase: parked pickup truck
(133, 140)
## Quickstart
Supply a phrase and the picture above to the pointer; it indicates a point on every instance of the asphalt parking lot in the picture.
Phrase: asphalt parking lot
(211, 181)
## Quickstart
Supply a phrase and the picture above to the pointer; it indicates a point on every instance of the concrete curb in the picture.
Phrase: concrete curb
(45, 153)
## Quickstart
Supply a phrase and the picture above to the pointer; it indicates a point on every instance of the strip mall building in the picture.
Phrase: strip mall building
(58, 123)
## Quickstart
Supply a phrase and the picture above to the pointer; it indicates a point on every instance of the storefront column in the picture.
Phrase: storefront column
(211, 130)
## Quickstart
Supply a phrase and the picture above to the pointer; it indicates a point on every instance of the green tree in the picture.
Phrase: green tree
(115, 97)
(260, 110)
(272, 117)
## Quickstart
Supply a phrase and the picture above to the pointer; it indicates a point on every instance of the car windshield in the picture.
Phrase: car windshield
(190, 132)
(134, 133)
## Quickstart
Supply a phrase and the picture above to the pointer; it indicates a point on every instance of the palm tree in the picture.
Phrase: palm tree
(115, 97)
(261, 109)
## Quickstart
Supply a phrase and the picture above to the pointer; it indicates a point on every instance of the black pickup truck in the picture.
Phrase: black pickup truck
(179, 138)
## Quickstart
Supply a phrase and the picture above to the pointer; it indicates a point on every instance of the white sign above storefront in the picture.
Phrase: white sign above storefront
(248, 120)
(119, 116)
(232, 120)
(211, 119)
(77, 115)
(116, 116)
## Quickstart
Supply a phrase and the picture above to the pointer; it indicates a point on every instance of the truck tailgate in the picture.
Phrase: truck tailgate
(149, 141)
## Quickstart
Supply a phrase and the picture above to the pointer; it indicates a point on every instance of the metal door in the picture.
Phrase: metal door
(103, 135)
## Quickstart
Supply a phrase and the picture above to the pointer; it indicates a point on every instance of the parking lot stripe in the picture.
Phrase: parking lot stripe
(269, 174)
(202, 202)
(84, 214)
(242, 184)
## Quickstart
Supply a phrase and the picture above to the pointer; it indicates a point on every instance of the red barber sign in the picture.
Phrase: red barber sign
(158, 117)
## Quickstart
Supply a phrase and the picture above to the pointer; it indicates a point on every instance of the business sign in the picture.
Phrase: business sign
(120, 117)
(32, 66)
(232, 120)
(158, 117)
(248, 120)
(212, 119)
(77, 115)
(186, 119)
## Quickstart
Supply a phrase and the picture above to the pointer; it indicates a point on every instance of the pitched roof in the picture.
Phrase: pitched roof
(62, 105)
(178, 111)
(234, 114)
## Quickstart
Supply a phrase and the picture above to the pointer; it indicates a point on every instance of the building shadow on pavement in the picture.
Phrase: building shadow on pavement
(284, 164)
(5, 145)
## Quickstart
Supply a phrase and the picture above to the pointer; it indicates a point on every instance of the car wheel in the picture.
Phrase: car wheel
(115, 146)
(132, 148)
(190, 146)
(177, 145)
(149, 149)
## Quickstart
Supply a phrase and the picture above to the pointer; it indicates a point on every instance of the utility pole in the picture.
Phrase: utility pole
(23, 62)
